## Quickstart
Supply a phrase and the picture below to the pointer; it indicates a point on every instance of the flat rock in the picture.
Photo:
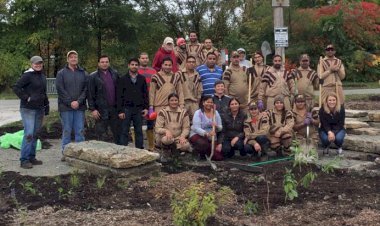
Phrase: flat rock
(363, 143)
(356, 113)
(364, 131)
(374, 124)
(374, 116)
(355, 124)
(108, 154)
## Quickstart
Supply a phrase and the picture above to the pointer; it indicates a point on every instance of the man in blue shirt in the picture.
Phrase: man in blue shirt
(209, 73)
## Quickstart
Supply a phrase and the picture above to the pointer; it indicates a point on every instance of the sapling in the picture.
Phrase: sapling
(290, 185)
(100, 181)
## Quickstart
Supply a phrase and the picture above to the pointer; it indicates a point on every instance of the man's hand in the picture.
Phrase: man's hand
(233, 141)
(168, 134)
(182, 140)
(334, 68)
(74, 104)
(121, 116)
(277, 133)
(257, 147)
(331, 136)
(144, 112)
(95, 114)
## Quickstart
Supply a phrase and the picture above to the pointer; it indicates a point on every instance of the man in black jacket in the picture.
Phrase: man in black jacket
(34, 104)
(132, 102)
(101, 99)
(71, 86)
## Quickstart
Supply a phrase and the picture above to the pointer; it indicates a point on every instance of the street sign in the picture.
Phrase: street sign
(280, 3)
(281, 36)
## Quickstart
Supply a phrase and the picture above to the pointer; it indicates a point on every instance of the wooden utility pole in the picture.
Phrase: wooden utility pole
(278, 21)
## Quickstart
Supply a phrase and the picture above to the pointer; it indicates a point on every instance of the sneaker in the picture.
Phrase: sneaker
(26, 165)
(36, 162)
(339, 152)
(326, 151)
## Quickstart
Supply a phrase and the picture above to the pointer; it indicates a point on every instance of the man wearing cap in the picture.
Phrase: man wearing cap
(255, 74)
(306, 80)
(331, 71)
(244, 63)
(71, 84)
(276, 81)
(256, 128)
(194, 48)
(210, 73)
(165, 51)
(147, 72)
(132, 103)
(235, 80)
(34, 104)
(281, 124)
(191, 86)
(102, 100)
(180, 53)
(207, 48)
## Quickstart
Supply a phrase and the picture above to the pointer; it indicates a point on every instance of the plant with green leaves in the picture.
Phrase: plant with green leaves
(330, 166)
(74, 180)
(28, 186)
(290, 185)
(308, 179)
(193, 205)
(100, 181)
(251, 208)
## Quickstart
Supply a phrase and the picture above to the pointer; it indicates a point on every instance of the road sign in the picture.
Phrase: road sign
(281, 36)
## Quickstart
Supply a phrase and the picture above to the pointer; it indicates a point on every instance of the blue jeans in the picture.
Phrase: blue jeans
(229, 151)
(339, 138)
(262, 140)
(132, 114)
(32, 122)
(72, 120)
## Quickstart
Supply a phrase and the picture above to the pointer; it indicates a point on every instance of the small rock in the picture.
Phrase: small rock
(377, 160)
(326, 197)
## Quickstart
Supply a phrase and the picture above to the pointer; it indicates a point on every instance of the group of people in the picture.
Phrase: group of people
(190, 104)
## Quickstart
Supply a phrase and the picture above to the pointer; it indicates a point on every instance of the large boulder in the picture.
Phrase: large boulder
(363, 143)
(110, 155)
(356, 113)
(374, 116)
(364, 131)
(355, 124)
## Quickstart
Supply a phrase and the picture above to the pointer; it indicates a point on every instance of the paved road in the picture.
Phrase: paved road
(10, 110)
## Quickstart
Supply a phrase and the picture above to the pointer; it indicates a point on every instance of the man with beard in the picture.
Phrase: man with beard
(306, 80)
(132, 103)
(180, 53)
(102, 100)
(194, 48)
(255, 74)
(165, 51)
(164, 83)
(210, 73)
(208, 48)
(276, 81)
(191, 86)
(147, 72)
(332, 72)
(235, 80)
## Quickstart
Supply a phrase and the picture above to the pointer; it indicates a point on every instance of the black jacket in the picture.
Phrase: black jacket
(130, 94)
(233, 127)
(222, 104)
(97, 93)
(332, 122)
(71, 86)
(31, 89)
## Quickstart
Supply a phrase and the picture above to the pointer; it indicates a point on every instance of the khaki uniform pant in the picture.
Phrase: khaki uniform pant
(284, 140)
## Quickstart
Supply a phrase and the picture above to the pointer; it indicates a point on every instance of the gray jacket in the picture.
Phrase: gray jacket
(71, 86)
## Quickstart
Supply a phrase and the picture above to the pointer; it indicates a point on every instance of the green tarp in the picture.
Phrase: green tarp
(14, 140)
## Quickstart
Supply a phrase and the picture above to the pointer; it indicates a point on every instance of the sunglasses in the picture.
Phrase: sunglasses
(330, 49)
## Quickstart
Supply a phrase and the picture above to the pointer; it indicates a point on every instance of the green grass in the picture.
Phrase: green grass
(8, 94)
(361, 85)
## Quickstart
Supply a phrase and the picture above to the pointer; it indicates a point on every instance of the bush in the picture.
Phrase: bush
(11, 67)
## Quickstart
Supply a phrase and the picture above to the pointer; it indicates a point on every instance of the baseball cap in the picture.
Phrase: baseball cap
(168, 40)
(240, 50)
(71, 52)
(36, 59)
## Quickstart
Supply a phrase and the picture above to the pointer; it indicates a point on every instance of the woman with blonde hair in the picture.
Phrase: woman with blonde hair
(332, 116)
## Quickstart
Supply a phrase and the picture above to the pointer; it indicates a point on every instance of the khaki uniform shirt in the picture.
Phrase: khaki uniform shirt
(163, 84)
(258, 128)
(330, 78)
(195, 50)
(276, 82)
(306, 81)
(191, 85)
(280, 121)
(176, 121)
(256, 73)
(235, 80)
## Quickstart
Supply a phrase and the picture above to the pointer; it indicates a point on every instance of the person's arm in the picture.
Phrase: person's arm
(247, 130)
(289, 123)
(83, 94)
(62, 93)
(120, 95)
(18, 88)
(179, 90)
(200, 88)
(159, 127)
(291, 84)
(185, 126)
(152, 91)
(226, 77)
(262, 88)
(197, 124)
(157, 62)
(341, 72)
(145, 93)
(264, 126)
(324, 120)
(91, 92)
(299, 125)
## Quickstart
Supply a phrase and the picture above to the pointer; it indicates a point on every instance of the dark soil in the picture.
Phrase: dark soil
(346, 195)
